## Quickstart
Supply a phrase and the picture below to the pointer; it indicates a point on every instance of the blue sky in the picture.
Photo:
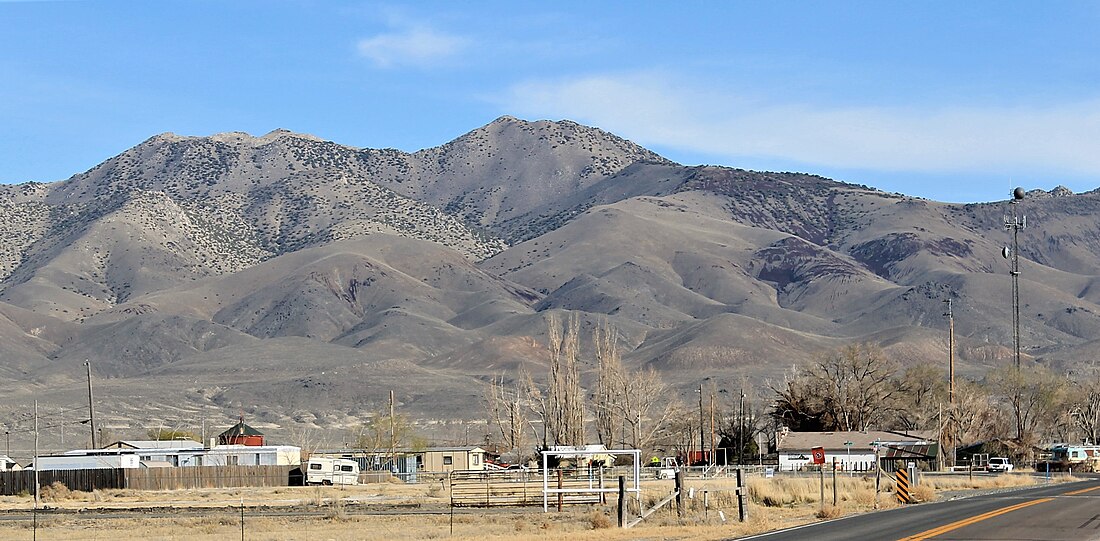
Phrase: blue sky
(953, 101)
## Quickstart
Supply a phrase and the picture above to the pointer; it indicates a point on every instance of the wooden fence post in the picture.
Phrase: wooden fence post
(622, 501)
(821, 492)
(834, 481)
(560, 495)
(680, 492)
(740, 495)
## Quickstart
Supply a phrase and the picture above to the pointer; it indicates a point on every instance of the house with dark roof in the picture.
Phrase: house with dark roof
(241, 434)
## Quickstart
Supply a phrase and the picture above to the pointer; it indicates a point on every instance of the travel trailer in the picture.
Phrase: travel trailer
(332, 471)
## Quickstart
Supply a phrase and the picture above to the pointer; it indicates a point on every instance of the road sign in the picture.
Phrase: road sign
(902, 486)
(818, 454)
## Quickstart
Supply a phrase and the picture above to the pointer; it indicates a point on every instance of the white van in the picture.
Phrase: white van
(332, 471)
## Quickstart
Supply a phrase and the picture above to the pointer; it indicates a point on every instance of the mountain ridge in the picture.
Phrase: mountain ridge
(285, 256)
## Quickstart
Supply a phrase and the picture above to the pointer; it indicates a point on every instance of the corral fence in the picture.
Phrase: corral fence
(22, 482)
(489, 488)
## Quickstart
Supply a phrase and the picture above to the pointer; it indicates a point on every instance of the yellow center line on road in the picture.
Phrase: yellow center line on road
(968, 521)
(1082, 491)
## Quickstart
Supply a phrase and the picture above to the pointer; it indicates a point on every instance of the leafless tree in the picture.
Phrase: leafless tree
(608, 383)
(565, 397)
(851, 389)
(645, 408)
(1085, 405)
(635, 402)
(561, 406)
(923, 397)
(505, 415)
(538, 406)
(1033, 396)
(374, 435)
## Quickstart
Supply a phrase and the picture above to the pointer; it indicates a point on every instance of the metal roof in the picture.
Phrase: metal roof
(154, 444)
(835, 441)
(910, 450)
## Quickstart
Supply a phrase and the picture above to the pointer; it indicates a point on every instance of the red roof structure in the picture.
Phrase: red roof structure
(241, 434)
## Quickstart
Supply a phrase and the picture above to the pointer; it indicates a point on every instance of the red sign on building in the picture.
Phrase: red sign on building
(819, 454)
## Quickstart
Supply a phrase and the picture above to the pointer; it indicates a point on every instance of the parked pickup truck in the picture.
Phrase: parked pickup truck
(999, 464)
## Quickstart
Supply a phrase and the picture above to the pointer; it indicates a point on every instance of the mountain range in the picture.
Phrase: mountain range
(297, 280)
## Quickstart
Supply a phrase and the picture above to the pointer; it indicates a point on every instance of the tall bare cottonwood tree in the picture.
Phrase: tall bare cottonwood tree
(564, 396)
(502, 403)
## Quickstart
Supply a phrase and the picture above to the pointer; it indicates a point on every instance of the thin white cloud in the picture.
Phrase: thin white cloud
(414, 46)
(661, 109)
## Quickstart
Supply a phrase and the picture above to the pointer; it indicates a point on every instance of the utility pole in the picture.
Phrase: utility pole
(393, 437)
(741, 429)
(951, 379)
(35, 462)
(91, 408)
(713, 444)
(950, 352)
(702, 436)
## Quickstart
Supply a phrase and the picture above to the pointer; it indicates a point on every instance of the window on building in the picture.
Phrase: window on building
(448, 460)
(198, 461)
(257, 455)
(232, 460)
(476, 460)
(146, 458)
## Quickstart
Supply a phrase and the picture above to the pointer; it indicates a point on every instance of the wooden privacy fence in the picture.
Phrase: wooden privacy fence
(208, 477)
(16, 482)
(22, 481)
(487, 488)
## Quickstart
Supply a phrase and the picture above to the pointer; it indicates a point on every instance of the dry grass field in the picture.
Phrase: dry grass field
(396, 512)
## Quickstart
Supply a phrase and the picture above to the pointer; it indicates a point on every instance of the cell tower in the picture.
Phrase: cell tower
(1015, 224)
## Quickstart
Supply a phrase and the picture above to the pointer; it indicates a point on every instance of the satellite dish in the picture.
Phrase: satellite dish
(1005, 252)
(1018, 193)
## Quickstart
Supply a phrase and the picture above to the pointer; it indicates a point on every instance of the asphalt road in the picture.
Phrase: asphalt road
(1068, 511)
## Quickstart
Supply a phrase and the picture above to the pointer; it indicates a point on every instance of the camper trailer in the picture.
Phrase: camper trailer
(332, 471)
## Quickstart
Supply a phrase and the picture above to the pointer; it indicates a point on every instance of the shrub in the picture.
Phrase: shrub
(56, 491)
(923, 493)
(828, 512)
(599, 521)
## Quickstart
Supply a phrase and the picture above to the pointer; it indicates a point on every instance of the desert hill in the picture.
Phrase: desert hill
(298, 280)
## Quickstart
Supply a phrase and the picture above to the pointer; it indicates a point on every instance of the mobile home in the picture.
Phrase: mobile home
(87, 462)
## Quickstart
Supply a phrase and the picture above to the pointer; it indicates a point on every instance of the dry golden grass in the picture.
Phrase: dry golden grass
(964, 482)
(829, 512)
(771, 504)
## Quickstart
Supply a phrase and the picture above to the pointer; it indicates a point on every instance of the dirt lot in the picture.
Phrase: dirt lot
(397, 512)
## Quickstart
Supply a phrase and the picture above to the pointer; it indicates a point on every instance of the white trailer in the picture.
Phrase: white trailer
(332, 471)
(87, 462)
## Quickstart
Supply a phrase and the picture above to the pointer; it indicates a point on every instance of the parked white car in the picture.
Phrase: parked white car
(999, 464)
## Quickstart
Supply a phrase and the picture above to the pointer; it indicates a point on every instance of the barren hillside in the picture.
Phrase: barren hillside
(299, 280)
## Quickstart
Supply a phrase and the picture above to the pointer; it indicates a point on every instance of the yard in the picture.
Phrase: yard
(397, 512)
